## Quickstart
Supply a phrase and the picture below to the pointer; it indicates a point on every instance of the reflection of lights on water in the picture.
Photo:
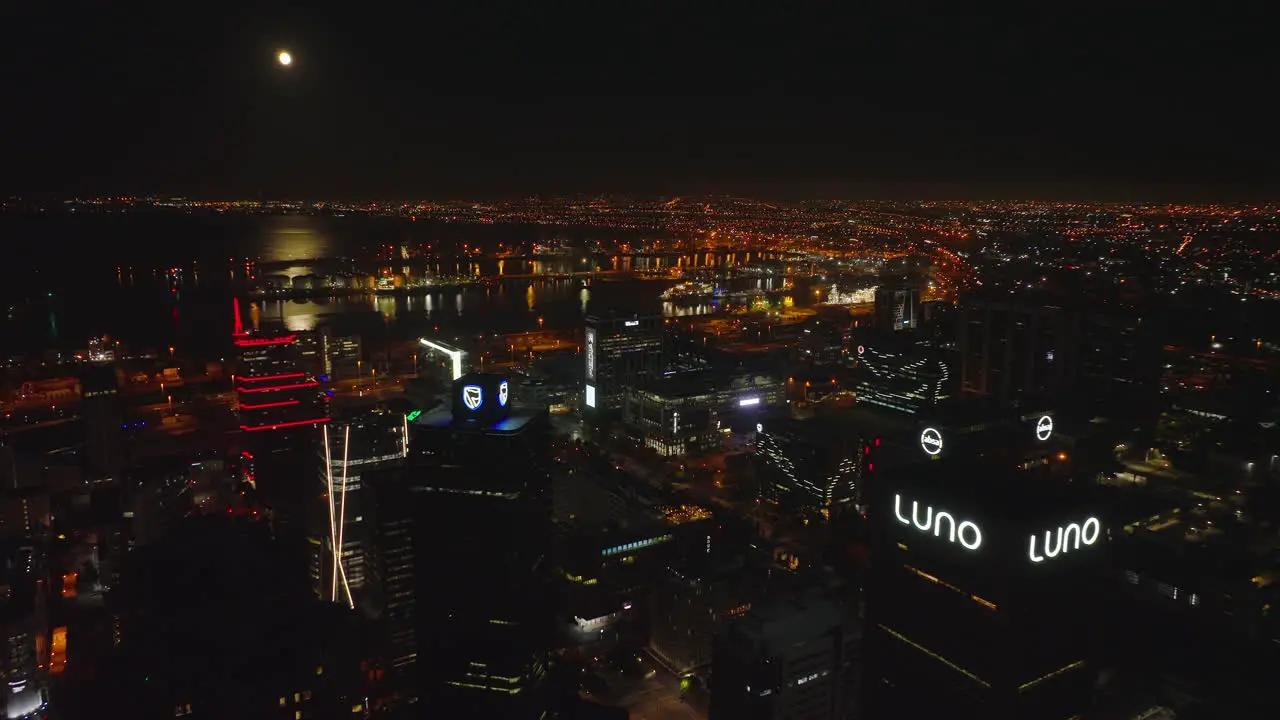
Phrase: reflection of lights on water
(457, 302)
(584, 296)
(301, 322)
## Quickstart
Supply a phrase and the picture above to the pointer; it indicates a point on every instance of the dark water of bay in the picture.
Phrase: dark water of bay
(77, 276)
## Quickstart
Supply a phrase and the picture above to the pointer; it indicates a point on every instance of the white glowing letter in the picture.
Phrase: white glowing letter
(976, 542)
(1051, 550)
(1087, 538)
(897, 510)
(1066, 537)
(1032, 552)
(937, 525)
(928, 516)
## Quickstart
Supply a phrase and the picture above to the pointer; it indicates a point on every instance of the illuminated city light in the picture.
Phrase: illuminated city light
(282, 403)
(472, 396)
(455, 355)
(312, 421)
(502, 393)
(260, 378)
(746, 402)
(1064, 538)
(590, 396)
(931, 441)
(311, 383)
(256, 342)
(933, 521)
(1044, 428)
(412, 416)
(284, 58)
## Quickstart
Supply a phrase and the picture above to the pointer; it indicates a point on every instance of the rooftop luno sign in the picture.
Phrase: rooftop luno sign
(1064, 539)
(926, 520)
(931, 441)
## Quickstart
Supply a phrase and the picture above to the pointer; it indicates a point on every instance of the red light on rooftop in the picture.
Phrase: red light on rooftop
(282, 403)
(313, 383)
(246, 428)
(260, 342)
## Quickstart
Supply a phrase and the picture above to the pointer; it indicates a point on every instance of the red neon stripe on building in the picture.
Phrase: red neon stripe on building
(282, 403)
(254, 342)
(313, 383)
(246, 428)
(260, 378)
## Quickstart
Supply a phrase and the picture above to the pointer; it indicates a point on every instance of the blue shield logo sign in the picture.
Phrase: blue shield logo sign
(502, 394)
(472, 396)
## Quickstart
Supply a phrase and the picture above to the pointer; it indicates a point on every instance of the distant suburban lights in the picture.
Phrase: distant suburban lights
(472, 396)
(1044, 428)
(413, 415)
(967, 533)
(745, 402)
(931, 441)
(502, 393)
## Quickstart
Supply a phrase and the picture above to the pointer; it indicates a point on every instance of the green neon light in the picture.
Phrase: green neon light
(412, 416)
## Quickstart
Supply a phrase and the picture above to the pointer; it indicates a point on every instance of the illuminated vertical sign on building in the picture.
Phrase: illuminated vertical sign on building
(591, 355)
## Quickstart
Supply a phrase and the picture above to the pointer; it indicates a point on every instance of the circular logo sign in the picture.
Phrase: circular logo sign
(931, 441)
(1044, 428)
(759, 427)
(861, 349)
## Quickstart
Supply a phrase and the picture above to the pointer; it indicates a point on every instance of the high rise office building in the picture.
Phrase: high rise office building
(981, 598)
(901, 376)
(619, 352)
(796, 659)
(348, 449)
(103, 421)
(460, 537)
(807, 463)
(278, 379)
(897, 306)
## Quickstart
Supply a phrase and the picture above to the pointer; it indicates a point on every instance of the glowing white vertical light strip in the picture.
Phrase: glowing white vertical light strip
(404, 449)
(454, 355)
(342, 523)
(333, 527)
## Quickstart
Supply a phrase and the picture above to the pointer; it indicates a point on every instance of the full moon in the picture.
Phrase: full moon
(285, 58)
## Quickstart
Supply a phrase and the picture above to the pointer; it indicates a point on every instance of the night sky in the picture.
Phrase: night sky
(774, 100)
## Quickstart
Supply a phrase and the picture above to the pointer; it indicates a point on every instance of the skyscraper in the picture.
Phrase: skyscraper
(460, 538)
(897, 306)
(981, 595)
(348, 450)
(619, 352)
(788, 659)
(277, 379)
(103, 421)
